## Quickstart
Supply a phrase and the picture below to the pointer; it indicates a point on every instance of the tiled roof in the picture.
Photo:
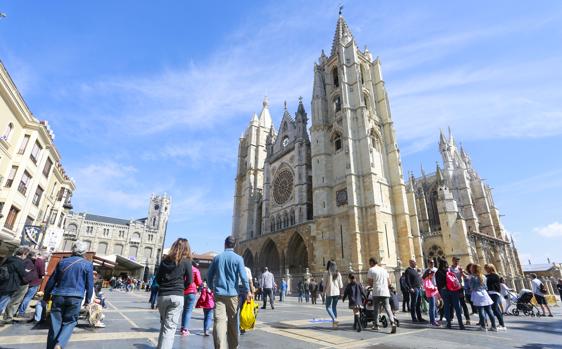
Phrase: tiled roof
(104, 219)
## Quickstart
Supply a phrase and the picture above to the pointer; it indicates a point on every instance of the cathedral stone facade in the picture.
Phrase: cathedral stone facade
(457, 215)
(336, 192)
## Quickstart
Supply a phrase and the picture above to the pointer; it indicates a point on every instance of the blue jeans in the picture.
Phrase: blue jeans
(208, 317)
(451, 300)
(39, 310)
(282, 295)
(431, 301)
(153, 296)
(415, 304)
(188, 304)
(306, 296)
(64, 317)
(4, 300)
(26, 299)
(331, 306)
(496, 307)
(488, 310)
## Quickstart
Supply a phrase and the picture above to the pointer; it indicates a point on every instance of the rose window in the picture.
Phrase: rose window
(283, 186)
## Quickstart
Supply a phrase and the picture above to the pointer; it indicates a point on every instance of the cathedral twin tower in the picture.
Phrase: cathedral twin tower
(340, 193)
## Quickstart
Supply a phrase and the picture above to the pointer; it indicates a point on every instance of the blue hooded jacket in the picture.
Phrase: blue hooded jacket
(73, 277)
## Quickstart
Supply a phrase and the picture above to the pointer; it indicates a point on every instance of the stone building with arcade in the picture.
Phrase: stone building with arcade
(336, 190)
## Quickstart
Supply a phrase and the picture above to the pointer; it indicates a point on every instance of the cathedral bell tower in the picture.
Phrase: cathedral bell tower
(359, 195)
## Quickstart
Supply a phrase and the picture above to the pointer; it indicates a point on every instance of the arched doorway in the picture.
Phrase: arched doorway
(269, 257)
(297, 254)
(248, 259)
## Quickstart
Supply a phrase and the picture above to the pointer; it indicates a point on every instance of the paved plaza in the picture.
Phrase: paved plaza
(131, 324)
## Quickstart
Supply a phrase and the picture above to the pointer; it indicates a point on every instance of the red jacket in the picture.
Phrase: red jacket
(192, 288)
(206, 300)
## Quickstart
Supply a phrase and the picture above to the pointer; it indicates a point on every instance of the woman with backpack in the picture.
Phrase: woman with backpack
(448, 286)
(493, 282)
(480, 298)
(174, 276)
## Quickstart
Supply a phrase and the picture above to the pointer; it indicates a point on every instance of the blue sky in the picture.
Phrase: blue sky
(146, 97)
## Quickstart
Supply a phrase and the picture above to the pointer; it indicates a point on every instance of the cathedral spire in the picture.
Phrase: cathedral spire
(442, 139)
(439, 174)
(342, 31)
(265, 118)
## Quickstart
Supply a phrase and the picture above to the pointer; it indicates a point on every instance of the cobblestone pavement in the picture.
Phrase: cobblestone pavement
(131, 324)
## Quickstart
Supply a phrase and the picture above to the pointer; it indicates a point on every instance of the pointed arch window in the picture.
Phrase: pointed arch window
(292, 217)
(335, 77)
(285, 220)
(337, 104)
(272, 223)
(279, 222)
(337, 142)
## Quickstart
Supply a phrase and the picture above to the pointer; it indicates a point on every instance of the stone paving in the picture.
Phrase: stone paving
(132, 324)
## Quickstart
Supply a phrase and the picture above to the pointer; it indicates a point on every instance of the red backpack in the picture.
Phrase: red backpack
(453, 283)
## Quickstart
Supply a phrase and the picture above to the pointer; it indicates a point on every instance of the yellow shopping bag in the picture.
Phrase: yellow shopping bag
(248, 315)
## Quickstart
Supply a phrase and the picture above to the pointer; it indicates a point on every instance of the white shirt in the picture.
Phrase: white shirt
(267, 280)
(379, 276)
(536, 283)
(332, 287)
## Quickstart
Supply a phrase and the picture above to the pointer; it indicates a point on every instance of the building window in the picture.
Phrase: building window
(11, 176)
(292, 218)
(337, 142)
(89, 229)
(102, 248)
(35, 152)
(72, 228)
(105, 232)
(148, 252)
(118, 249)
(53, 218)
(37, 196)
(272, 223)
(337, 104)
(25, 179)
(335, 77)
(8, 132)
(150, 237)
(61, 219)
(29, 220)
(1, 209)
(47, 168)
(23, 145)
(88, 244)
(11, 219)
(61, 193)
(121, 234)
(136, 237)
(154, 221)
(133, 251)
(67, 245)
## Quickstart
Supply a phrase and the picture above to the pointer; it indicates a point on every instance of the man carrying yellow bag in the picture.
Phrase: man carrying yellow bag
(248, 315)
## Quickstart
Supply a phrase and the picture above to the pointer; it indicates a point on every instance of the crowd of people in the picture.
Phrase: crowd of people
(445, 293)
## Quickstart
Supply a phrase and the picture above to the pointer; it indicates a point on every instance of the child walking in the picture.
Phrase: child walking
(207, 302)
(354, 291)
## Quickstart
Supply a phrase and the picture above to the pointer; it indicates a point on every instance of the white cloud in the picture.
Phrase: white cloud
(552, 230)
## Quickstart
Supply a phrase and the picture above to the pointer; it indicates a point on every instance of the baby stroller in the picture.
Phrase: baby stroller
(524, 305)
(367, 313)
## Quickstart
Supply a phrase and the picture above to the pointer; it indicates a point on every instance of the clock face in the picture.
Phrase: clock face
(282, 186)
(285, 141)
(156, 207)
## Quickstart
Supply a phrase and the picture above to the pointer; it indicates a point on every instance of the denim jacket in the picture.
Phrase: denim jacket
(73, 277)
(476, 285)
(225, 271)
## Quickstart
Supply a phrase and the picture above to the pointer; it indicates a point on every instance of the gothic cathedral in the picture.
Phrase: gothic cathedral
(337, 192)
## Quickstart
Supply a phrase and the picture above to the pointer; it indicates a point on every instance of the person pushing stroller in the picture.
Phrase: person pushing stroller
(378, 279)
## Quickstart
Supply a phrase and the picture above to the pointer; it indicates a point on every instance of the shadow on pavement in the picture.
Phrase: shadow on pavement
(540, 346)
(141, 329)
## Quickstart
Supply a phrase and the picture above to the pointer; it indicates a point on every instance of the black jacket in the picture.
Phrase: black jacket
(441, 279)
(413, 279)
(173, 279)
(354, 291)
(16, 270)
(493, 282)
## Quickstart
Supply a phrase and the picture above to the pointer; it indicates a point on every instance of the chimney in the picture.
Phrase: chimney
(548, 259)
(529, 261)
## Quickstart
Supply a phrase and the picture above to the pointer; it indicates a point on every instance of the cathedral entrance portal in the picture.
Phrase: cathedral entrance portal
(248, 259)
(269, 257)
(297, 255)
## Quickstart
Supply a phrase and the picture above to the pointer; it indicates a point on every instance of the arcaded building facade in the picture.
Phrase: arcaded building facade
(332, 186)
